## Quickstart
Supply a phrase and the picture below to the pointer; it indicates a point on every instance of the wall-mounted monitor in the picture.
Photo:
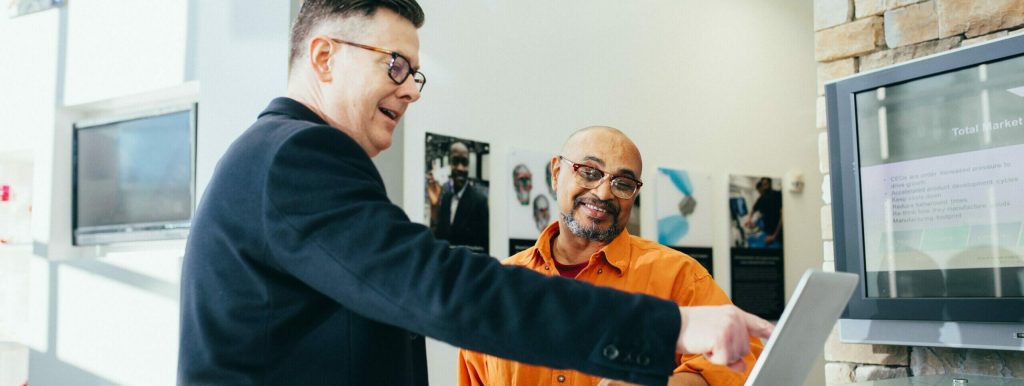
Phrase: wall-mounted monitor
(927, 171)
(133, 177)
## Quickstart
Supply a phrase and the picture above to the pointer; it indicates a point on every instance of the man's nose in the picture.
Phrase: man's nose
(409, 90)
(604, 190)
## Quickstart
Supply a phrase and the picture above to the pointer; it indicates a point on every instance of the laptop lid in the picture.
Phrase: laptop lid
(800, 334)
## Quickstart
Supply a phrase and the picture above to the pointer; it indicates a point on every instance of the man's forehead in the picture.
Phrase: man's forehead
(613, 163)
(606, 147)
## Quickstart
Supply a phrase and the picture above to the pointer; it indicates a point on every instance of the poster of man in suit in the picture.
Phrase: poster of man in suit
(457, 188)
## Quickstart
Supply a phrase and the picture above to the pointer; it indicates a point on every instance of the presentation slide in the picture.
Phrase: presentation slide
(956, 211)
(941, 162)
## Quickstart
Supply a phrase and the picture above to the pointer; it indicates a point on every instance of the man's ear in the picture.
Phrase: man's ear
(556, 166)
(320, 57)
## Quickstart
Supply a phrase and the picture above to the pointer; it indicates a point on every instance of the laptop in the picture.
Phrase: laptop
(799, 337)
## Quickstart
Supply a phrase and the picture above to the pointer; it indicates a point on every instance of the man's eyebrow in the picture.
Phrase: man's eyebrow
(628, 173)
(622, 171)
(417, 68)
(594, 159)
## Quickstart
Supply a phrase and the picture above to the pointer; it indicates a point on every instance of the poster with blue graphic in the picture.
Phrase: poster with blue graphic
(683, 211)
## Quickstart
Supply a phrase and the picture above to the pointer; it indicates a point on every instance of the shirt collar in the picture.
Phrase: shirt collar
(458, 194)
(292, 108)
(616, 253)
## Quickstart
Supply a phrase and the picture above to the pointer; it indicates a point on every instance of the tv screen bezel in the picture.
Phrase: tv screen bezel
(134, 232)
(846, 193)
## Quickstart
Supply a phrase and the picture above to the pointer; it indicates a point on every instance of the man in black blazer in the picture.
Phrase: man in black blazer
(299, 271)
(469, 224)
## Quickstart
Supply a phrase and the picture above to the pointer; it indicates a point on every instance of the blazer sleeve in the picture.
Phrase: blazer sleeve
(329, 223)
(483, 222)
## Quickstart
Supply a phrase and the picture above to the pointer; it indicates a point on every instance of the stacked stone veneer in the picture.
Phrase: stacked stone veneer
(852, 36)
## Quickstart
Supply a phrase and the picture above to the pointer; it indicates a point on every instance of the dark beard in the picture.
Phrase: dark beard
(593, 233)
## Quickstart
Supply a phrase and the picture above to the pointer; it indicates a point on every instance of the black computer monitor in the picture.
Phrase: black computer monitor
(133, 178)
(927, 173)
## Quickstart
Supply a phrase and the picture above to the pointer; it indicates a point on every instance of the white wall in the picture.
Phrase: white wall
(27, 81)
(117, 47)
(243, 64)
(721, 86)
(111, 320)
(27, 99)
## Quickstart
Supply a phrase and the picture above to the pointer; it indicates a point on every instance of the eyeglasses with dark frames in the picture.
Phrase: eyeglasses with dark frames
(589, 177)
(399, 68)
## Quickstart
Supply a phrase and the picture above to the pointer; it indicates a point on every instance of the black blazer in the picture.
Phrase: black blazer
(471, 224)
(299, 271)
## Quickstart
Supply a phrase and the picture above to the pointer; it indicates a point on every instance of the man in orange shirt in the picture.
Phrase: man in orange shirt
(596, 179)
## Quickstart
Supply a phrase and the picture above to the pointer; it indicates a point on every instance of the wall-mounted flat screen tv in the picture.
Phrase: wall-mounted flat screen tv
(133, 178)
(927, 171)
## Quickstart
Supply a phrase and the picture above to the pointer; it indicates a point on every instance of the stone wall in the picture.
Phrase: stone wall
(852, 36)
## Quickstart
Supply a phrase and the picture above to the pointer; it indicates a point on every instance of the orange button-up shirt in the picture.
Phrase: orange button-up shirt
(628, 263)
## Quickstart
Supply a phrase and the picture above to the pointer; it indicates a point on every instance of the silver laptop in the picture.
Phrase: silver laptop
(800, 335)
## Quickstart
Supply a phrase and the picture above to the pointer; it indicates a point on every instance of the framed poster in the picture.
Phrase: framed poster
(531, 199)
(755, 235)
(456, 198)
(684, 214)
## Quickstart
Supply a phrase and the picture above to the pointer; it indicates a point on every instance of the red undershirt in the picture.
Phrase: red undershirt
(570, 271)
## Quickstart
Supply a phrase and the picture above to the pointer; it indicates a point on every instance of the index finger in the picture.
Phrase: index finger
(758, 327)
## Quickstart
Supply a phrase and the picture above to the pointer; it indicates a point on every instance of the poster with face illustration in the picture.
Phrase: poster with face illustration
(683, 211)
(531, 199)
(455, 201)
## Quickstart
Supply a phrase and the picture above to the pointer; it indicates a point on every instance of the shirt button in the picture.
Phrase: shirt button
(611, 352)
(561, 379)
(644, 360)
(599, 270)
(547, 268)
